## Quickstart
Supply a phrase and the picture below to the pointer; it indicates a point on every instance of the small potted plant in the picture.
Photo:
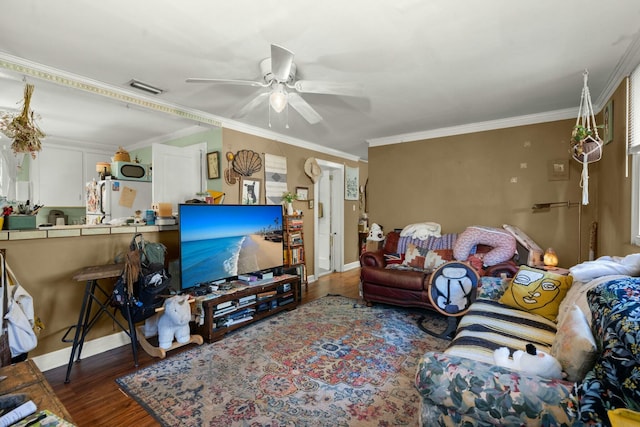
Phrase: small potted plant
(585, 140)
(288, 197)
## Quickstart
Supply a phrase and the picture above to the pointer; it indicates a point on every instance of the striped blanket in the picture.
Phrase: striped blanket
(446, 241)
(489, 325)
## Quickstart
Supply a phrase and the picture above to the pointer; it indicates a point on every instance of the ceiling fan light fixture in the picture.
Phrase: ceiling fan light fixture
(278, 98)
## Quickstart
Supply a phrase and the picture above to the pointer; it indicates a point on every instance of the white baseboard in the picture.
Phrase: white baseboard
(99, 345)
(90, 348)
(351, 266)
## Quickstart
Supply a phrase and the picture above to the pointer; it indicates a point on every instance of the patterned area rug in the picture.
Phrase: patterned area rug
(331, 362)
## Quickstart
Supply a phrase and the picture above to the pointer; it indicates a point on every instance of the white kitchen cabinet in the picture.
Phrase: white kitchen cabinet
(59, 175)
(178, 173)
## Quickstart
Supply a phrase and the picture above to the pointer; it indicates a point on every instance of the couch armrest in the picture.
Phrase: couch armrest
(373, 259)
(462, 388)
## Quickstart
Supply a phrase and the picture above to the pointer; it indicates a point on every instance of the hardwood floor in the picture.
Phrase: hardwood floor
(93, 397)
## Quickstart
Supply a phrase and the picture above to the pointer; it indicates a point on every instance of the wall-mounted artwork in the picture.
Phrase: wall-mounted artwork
(607, 122)
(351, 183)
(250, 191)
(213, 165)
(558, 170)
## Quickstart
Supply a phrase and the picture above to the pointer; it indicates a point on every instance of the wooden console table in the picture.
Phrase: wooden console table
(270, 294)
(26, 378)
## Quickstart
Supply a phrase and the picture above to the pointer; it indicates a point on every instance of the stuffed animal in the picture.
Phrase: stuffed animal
(174, 321)
(375, 233)
(532, 361)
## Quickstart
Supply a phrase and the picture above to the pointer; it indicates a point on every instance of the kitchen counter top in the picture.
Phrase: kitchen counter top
(58, 231)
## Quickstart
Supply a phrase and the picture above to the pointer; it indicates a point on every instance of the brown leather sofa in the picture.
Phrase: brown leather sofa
(405, 288)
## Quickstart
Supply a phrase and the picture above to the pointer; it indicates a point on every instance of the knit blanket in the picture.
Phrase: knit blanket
(446, 241)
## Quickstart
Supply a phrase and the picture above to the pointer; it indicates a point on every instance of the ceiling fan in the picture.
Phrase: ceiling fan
(279, 76)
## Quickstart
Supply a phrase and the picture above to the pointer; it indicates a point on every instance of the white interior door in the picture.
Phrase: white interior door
(329, 229)
(324, 237)
(178, 173)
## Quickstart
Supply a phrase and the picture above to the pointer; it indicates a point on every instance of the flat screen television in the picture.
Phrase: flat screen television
(222, 241)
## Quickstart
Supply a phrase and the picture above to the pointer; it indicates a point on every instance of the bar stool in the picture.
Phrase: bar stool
(93, 292)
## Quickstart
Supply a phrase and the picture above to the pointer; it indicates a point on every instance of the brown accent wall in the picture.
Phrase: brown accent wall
(234, 141)
(45, 268)
(486, 178)
(614, 190)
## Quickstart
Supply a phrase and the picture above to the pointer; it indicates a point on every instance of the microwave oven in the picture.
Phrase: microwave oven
(130, 171)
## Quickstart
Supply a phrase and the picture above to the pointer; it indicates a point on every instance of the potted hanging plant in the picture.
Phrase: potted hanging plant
(585, 140)
(22, 127)
(288, 197)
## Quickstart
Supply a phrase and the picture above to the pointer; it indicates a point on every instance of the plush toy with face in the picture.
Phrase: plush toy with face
(375, 233)
(174, 321)
(532, 361)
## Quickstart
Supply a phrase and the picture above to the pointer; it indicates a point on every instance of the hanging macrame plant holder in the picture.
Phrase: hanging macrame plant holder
(586, 145)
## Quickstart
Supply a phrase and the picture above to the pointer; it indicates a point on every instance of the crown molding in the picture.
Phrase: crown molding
(477, 127)
(63, 78)
(629, 61)
(263, 133)
(43, 72)
(182, 133)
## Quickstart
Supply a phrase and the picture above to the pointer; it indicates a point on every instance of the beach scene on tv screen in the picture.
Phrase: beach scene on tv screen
(221, 241)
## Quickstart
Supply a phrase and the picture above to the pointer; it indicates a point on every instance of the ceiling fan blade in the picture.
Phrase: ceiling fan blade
(227, 81)
(328, 88)
(305, 110)
(281, 60)
(251, 105)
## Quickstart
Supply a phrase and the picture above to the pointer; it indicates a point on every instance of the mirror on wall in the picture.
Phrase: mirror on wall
(76, 117)
(80, 114)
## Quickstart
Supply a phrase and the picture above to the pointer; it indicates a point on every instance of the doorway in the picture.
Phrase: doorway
(329, 219)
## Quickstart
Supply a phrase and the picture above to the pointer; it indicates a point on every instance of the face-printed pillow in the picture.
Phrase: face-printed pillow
(537, 291)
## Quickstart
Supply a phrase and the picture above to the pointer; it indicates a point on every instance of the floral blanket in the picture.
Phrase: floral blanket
(615, 380)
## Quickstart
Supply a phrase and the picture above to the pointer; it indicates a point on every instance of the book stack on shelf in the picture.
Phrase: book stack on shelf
(258, 278)
(294, 240)
(248, 304)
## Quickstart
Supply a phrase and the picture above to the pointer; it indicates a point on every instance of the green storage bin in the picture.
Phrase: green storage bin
(19, 222)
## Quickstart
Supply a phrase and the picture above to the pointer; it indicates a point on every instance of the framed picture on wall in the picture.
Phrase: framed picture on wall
(351, 183)
(213, 165)
(302, 193)
(250, 189)
(558, 170)
(607, 122)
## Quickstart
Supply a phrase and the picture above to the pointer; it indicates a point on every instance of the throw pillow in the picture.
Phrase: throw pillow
(537, 291)
(418, 257)
(414, 256)
(503, 244)
(574, 345)
(393, 259)
(491, 287)
(623, 417)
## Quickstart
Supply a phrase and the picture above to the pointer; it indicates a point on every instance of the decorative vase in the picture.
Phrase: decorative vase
(289, 208)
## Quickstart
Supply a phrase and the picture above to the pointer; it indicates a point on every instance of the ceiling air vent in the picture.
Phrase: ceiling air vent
(145, 87)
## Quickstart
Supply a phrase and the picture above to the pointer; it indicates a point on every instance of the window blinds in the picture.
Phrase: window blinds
(634, 111)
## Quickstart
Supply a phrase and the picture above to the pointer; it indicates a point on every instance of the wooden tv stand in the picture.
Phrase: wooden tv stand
(280, 301)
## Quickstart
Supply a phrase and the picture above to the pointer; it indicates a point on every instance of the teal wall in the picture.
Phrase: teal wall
(212, 137)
